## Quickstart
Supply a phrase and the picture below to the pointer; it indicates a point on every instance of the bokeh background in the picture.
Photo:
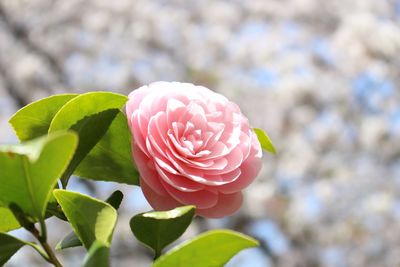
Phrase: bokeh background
(321, 77)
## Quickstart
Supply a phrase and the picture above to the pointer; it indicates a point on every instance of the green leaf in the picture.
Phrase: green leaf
(25, 220)
(71, 240)
(53, 209)
(264, 140)
(211, 249)
(85, 105)
(90, 130)
(10, 245)
(97, 256)
(14, 217)
(7, 220)
(111, 159)
(158, 229)
(33, 120)
(29, 171)
(90, 218)
(115, 199)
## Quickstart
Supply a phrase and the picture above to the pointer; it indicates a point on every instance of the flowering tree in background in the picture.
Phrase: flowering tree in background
(321, 76)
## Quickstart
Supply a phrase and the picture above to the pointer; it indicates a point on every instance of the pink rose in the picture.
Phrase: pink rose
(191, 146)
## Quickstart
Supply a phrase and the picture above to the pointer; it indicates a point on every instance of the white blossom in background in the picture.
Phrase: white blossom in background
(321, 77)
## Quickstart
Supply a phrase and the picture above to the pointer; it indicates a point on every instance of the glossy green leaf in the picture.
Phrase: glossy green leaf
(158, 229)
(211, 249)
(111, 159)
(53, 209)
(34, 120)
(71, 240)
(90, 218)
(97, 256)
(7, 220)
(29, 171)
(25, 220)
(90, 130)
(115, 199)
(264, 140)
(85, 105)
(10, 245)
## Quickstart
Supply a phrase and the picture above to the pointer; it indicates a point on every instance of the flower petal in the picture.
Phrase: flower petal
(147, 171)
(179, 182)
(202, 199)
(227, 205)
(158, 202)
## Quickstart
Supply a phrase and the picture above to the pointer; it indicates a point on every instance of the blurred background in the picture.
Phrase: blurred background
(321, 77)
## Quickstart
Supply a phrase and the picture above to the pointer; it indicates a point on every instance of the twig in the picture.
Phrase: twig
(11, 90)
(21, 34)
(43, 242)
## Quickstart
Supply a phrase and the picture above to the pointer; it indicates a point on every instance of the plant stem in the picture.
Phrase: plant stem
(51, 254)
(43, 230)
(42, 238)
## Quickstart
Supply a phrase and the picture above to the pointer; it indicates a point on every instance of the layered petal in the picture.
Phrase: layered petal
(191, 146)
(227, 205)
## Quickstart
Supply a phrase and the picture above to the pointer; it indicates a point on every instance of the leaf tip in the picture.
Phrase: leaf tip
(57, 192)
(265, 141)
(58, 246)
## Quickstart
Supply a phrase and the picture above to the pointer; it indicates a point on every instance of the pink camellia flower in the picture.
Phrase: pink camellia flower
(191, 146)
